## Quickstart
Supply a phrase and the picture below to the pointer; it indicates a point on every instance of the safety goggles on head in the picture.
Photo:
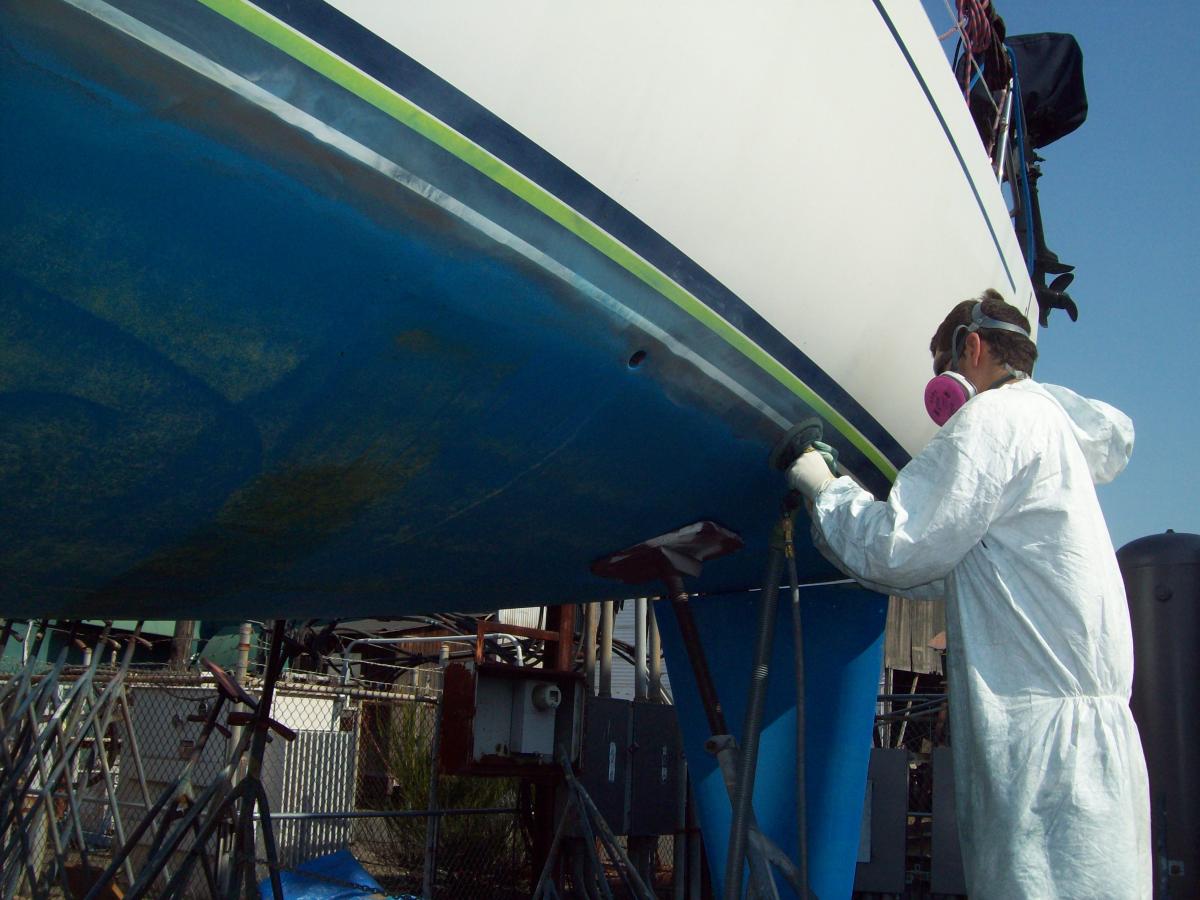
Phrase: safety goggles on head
(947, 392)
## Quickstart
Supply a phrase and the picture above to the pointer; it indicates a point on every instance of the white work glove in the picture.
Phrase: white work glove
(809, 474)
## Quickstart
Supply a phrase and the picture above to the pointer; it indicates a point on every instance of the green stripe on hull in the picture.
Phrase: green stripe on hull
(337, 70)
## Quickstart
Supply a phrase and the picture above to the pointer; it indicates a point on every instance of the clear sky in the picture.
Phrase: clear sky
(1120, 199)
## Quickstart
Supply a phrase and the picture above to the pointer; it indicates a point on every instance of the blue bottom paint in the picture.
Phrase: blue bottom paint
(843, 647)
(242, 374)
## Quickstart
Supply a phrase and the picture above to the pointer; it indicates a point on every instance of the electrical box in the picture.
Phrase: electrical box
(531, 727)
(656, 760)
(516, 717)
(493, 718)
(604, 758)
(501, 720)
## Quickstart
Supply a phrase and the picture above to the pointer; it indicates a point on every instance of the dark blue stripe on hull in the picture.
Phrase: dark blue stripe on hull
(369, 52)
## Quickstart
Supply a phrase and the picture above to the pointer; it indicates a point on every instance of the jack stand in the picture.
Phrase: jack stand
(180, 813)
(668, 558)
(54, 736)
(590, 874)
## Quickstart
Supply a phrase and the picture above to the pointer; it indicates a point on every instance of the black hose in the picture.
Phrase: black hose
(748, 754)
(801, 788)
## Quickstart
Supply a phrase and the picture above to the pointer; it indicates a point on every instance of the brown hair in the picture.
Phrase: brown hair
(1007, 347)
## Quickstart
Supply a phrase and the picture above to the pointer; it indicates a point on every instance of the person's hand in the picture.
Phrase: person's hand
(809, 474)
(828, 453)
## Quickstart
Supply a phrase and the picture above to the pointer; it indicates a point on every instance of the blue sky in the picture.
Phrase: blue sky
(1120, 199)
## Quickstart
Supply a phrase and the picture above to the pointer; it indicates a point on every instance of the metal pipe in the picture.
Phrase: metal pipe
(748, 760)
(5, 633)
(544, 879)
(931, 698)
(679, 857)
(588, 810)
(87, 711)
(761, 851)
(928, 707)
(885, 735)
(431, 825)
(578, 876)
(27, 641)
(694, 861)
(258, 745)
(591, 625)
(588, 839)
(904, 722)
(656, 689)
(155, 866)
(226, 836)
(606, 647)
(563, 618)
(239, 675)
(640, 677)
(695, 651)
(424, 639)
(245, 632)
(1001, 131)
(801, 698)
(292, 687)
(388, 813)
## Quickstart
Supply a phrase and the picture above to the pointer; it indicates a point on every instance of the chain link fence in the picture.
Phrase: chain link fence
(358, 780)
(359, 777)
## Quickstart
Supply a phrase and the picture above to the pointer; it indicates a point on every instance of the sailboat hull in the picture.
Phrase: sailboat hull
(307, 337)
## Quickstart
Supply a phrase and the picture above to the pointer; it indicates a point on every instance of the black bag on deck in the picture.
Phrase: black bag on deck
(1050, 68)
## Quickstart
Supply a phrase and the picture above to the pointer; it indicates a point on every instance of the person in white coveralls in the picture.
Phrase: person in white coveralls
(998, 514)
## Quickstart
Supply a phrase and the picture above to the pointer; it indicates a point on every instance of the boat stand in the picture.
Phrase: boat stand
(57, 742)
(588, 872)
(226, 808)
(668, 558)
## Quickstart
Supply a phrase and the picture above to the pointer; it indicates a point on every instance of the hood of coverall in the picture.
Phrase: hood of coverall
(1104, 433)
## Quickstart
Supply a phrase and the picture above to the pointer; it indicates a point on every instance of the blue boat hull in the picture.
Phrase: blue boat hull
(244, 376)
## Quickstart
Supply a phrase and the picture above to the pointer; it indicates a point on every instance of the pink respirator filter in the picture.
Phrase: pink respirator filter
(945, 395)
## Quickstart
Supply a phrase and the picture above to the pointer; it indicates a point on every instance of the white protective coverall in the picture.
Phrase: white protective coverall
(999, 515)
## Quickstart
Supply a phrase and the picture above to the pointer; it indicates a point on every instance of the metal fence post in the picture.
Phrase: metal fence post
(239, 675)
(431, 824)
(607, 612)
(640, 675)
(591, 627)
(656, 688)
(679, 854)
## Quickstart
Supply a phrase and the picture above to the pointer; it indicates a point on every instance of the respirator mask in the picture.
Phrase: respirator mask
(947, 392)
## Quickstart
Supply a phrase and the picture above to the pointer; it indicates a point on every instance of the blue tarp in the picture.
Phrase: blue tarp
(332, 875)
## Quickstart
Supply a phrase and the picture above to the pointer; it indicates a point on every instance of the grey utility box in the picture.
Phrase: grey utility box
(516, 717)
(883, 846)
(656, 769)
(605, 756)
(507, 720)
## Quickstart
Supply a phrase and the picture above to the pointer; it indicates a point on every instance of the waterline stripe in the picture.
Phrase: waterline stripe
(320, 130)
(302, 48)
